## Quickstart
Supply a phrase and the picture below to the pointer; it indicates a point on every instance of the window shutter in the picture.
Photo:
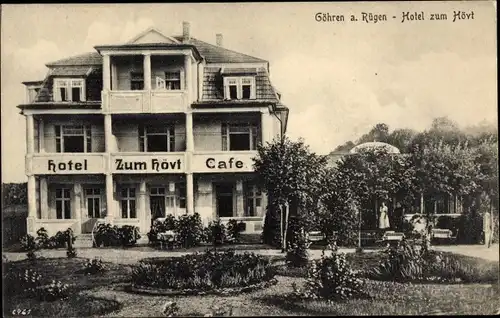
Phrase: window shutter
(171, 138)
(224, 136)
(58, 138)
(88, 136)
(142, 139)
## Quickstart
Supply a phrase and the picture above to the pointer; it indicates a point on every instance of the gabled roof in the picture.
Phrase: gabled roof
(152, 35)
(83, 70)
(92, 58)
(218, 54)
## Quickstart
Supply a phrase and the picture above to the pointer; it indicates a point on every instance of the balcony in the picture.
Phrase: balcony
(223, 161)
(66, 163)
(155, 101)
(148, 162)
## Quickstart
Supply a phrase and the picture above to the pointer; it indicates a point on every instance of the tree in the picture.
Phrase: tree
(291, 176)
(14, 193)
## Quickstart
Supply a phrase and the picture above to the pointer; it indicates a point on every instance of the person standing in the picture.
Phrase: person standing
(383, 220)
(487, 228)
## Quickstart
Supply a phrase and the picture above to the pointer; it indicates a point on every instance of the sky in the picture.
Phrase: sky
(338, 79)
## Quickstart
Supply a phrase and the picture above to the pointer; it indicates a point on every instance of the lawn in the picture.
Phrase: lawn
(105, 294)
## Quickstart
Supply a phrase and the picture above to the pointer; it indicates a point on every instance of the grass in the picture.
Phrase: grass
(105, 294)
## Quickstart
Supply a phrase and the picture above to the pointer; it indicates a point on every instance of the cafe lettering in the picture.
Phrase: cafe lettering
(212, 163)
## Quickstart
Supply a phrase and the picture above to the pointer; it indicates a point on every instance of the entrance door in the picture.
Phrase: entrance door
(93, 208)
(224, 195)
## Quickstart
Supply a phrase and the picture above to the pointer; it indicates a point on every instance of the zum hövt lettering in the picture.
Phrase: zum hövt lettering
(156, 165)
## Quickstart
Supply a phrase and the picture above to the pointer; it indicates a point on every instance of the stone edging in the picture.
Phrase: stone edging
(193, 292)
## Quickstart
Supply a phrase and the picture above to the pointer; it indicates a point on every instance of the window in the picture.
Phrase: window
(253, 206)
(239, 137)
(137, 81)
(181, 194)
(157, 138)
(69, 90)
(127, 202)
(63, 203)
(73, 138)
(93, 196)
(239, 87)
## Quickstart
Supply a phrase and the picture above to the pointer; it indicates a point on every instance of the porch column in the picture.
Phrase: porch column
(189, 77)
(189, 193)
(108, 133)
(106, 72)
(265, 126)
(31, 205)
(41, 136)
(110, 202)
(147, 71)
(143, 215)
(44, 197)
(30, 135)
(77, 202)
(240, 204)
(189, 132)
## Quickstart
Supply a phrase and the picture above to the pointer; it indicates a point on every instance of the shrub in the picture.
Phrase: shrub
(108, 235)
(28, 243)
(169, 224)
(404, 262)
(297, 244)
(129, 235)
(233, 231)
(271, 233)
(42, 238)
(25, 282)
(189, 230)
(216, 232)
(331, 278)
(71, 252)
(53, 291)
(170, 309)
(93, 266)
(204, 271)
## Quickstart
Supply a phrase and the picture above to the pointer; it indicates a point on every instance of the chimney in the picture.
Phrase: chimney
(218, 39)
(185, 31)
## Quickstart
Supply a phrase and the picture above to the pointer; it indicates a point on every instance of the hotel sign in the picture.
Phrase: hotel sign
(174, 163)
(68, 164)
(224, 162)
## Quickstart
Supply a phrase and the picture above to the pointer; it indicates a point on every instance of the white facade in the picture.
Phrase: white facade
(145, 149)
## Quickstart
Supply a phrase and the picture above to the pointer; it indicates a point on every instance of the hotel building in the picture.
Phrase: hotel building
(159, 125)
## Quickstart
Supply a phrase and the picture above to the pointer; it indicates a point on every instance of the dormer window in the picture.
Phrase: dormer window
(69, 90)
(239, 87)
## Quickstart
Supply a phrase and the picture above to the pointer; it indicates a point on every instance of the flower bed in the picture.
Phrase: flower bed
(202, 272)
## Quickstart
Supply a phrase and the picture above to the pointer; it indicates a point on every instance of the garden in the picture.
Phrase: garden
(216, 277)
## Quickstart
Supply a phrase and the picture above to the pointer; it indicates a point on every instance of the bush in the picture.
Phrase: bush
(233, 231)
(169, 224)
(189, 230)
(297, 244)
(404, 262)
(271, 233)
(170, 309)
(108, 235)
(205, 271)
(53, 291)
(71, 252)
(331, 278)
(25, 282)
(60, 240)
(216, 232)
(93, 266)
(28, 243)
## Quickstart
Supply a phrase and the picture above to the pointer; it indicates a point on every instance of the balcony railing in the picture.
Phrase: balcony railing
(148, 162)
(66, 163)
(155, 101)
